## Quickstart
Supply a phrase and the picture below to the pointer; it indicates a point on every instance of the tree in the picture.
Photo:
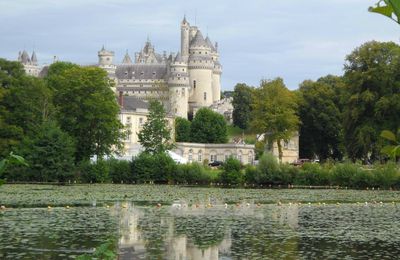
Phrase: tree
(388, 8)
(182, 130)
(321, 128)
(274, 113)
(25, 102)
(50, 154)
(372, 77)
(155, 136)
(208, 127)
(231, 173)
(242, 99)
(87, 109)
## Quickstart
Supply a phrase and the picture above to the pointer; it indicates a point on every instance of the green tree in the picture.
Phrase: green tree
(208, 127)
(50, 154)
(321, 128)
(275, 113)
(25, 102)
(242, 100)
(388, 8)
(87, 109)
(155, 136)
(372, 77)
(231, 173)
(182, 130)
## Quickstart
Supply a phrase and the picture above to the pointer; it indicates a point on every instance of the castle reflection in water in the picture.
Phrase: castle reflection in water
(196, 232)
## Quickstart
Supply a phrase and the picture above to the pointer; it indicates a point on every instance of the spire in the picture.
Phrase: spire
(184, 19)
(19, 56)
(127, 58)
(34, 58)
(102, 48)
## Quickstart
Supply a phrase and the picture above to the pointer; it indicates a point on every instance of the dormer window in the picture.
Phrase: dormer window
(142, 73)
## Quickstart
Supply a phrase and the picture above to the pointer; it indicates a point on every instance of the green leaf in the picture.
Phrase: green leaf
(384, 10)
(388, 135)
(388, 150)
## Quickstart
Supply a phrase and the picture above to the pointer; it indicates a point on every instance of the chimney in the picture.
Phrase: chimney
(121, 99)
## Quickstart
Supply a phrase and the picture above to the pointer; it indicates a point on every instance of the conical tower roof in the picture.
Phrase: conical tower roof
(127, 59)
(178, 58)
(25, 57)
(34, 58)
(209, 43)
(198, 40)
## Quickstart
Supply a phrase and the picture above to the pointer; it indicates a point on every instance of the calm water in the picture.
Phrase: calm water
(240, 231)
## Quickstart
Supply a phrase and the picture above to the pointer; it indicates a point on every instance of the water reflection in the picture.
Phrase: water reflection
(201, 232)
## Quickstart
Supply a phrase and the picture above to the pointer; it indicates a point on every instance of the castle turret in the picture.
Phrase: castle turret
(106, 61)
(34, 60)
(178, 82)
(217, 71)
(201, 70)
(185, 28)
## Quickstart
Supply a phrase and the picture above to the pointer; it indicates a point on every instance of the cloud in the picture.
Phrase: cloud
(294, 39)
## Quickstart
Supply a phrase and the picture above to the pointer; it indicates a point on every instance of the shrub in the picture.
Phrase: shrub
(347, 174)
(268, 170)
(231, 173)
(120, 171)
(96, 172)
(288, 173)
(387, 175)
(250, 174)
(312, 174)
(159, 168)
(193, 173)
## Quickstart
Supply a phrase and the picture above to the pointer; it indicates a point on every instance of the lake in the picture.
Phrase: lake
(198, 223)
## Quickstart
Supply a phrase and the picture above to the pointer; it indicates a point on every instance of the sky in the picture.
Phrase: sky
(258, 39)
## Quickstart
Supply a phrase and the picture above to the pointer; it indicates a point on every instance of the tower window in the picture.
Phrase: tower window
(205, 95)
(194, 84)
(183, 69)
(183, 92)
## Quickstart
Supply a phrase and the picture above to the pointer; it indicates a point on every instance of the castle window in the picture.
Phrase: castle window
(140, 121)
(194, 84)
(200, 156)
(179, 78)
(179, 75)
(183, 69)
(183, 92)
(190, 155)
(128, 119)
(154, 73)
(206, 52)
(205, 96)
(199, 52)
(108, 59)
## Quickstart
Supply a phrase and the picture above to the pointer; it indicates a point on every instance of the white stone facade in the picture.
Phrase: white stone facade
(183, 82)
(195, 152)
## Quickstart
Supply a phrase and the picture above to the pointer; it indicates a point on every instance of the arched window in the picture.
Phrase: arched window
(200, 156)
(190, 155)
(205, 96)
(250, 158)
(240, 156)
(194, 83)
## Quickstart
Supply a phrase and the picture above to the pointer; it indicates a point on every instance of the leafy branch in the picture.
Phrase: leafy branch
(393, 150)
(388, 8)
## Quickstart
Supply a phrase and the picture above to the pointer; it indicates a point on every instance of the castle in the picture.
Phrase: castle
(184, 82)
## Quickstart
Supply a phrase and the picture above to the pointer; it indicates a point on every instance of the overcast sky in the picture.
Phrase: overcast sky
(258, 39)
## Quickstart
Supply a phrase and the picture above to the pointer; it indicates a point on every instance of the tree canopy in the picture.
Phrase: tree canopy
(155, 136)
(275, 112)
(320, 131)
(372, 78)
(182, 130)
(86, 109)
(242, 99)
(208, 127)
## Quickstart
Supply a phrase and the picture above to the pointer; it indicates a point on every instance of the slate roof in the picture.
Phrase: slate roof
(132, 103)
(209, 43)
(198, 40)
(141, 71)
(127, 59)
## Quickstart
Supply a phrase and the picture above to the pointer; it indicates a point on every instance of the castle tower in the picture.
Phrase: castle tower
(106, 61)
(185, 28)
(201, 68)
(178, 82)
(217, 71)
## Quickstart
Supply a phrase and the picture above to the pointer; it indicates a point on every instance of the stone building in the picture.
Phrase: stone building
(184, 82)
